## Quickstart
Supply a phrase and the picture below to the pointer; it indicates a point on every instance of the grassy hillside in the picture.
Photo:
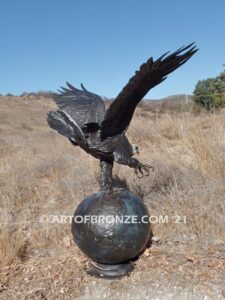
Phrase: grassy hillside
(41, 173)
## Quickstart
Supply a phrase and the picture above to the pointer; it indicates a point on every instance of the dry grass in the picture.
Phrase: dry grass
(41, 173)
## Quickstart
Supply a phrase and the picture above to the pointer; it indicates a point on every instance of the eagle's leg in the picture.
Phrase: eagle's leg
(106, 175)
(140, 169)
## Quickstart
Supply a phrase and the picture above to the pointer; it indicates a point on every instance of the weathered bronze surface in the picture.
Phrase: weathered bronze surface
(82, 118)
(120, 233)
(115, 239)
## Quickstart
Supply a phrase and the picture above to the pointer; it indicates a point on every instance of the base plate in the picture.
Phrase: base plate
(109, 271)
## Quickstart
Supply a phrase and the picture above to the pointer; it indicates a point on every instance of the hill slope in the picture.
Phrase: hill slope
(42, 175)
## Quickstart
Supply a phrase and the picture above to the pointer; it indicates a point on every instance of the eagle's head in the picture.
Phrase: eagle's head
(134, 149)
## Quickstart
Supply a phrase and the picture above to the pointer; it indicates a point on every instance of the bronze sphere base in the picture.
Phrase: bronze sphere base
(116, 236)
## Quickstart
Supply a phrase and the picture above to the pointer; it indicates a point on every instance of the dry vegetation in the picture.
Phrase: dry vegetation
(41, 173)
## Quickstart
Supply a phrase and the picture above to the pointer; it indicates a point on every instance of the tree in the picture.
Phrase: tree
(211, 92)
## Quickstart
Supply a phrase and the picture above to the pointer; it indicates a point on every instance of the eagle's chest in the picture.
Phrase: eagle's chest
(96, 144)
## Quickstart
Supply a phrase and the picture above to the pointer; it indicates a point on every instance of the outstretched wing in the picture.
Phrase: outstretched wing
(83, 106)
(151, 73)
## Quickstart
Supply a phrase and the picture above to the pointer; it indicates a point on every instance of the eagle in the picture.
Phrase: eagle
(83, 119)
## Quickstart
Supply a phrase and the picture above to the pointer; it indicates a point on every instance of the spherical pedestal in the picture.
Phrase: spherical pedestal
(111, 228)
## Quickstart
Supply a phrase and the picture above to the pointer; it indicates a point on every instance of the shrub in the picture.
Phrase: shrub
(210, 93)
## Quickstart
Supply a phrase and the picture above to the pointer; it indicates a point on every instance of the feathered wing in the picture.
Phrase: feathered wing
(81, 105)
(151, 73)
(64, 124)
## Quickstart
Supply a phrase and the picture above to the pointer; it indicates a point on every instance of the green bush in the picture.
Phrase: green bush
(210, 93)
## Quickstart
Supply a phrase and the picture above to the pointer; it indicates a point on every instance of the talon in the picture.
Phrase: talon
(140, 175)
(143, 170)
(146, 171)
(151, 168)
(138, 172)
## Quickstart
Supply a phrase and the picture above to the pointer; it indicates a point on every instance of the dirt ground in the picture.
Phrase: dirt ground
(168, 270)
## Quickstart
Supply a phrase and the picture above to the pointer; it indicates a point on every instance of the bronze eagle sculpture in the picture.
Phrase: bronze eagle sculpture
(83, 119)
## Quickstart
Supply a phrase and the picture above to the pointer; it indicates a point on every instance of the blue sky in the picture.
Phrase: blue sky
(102, 42)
